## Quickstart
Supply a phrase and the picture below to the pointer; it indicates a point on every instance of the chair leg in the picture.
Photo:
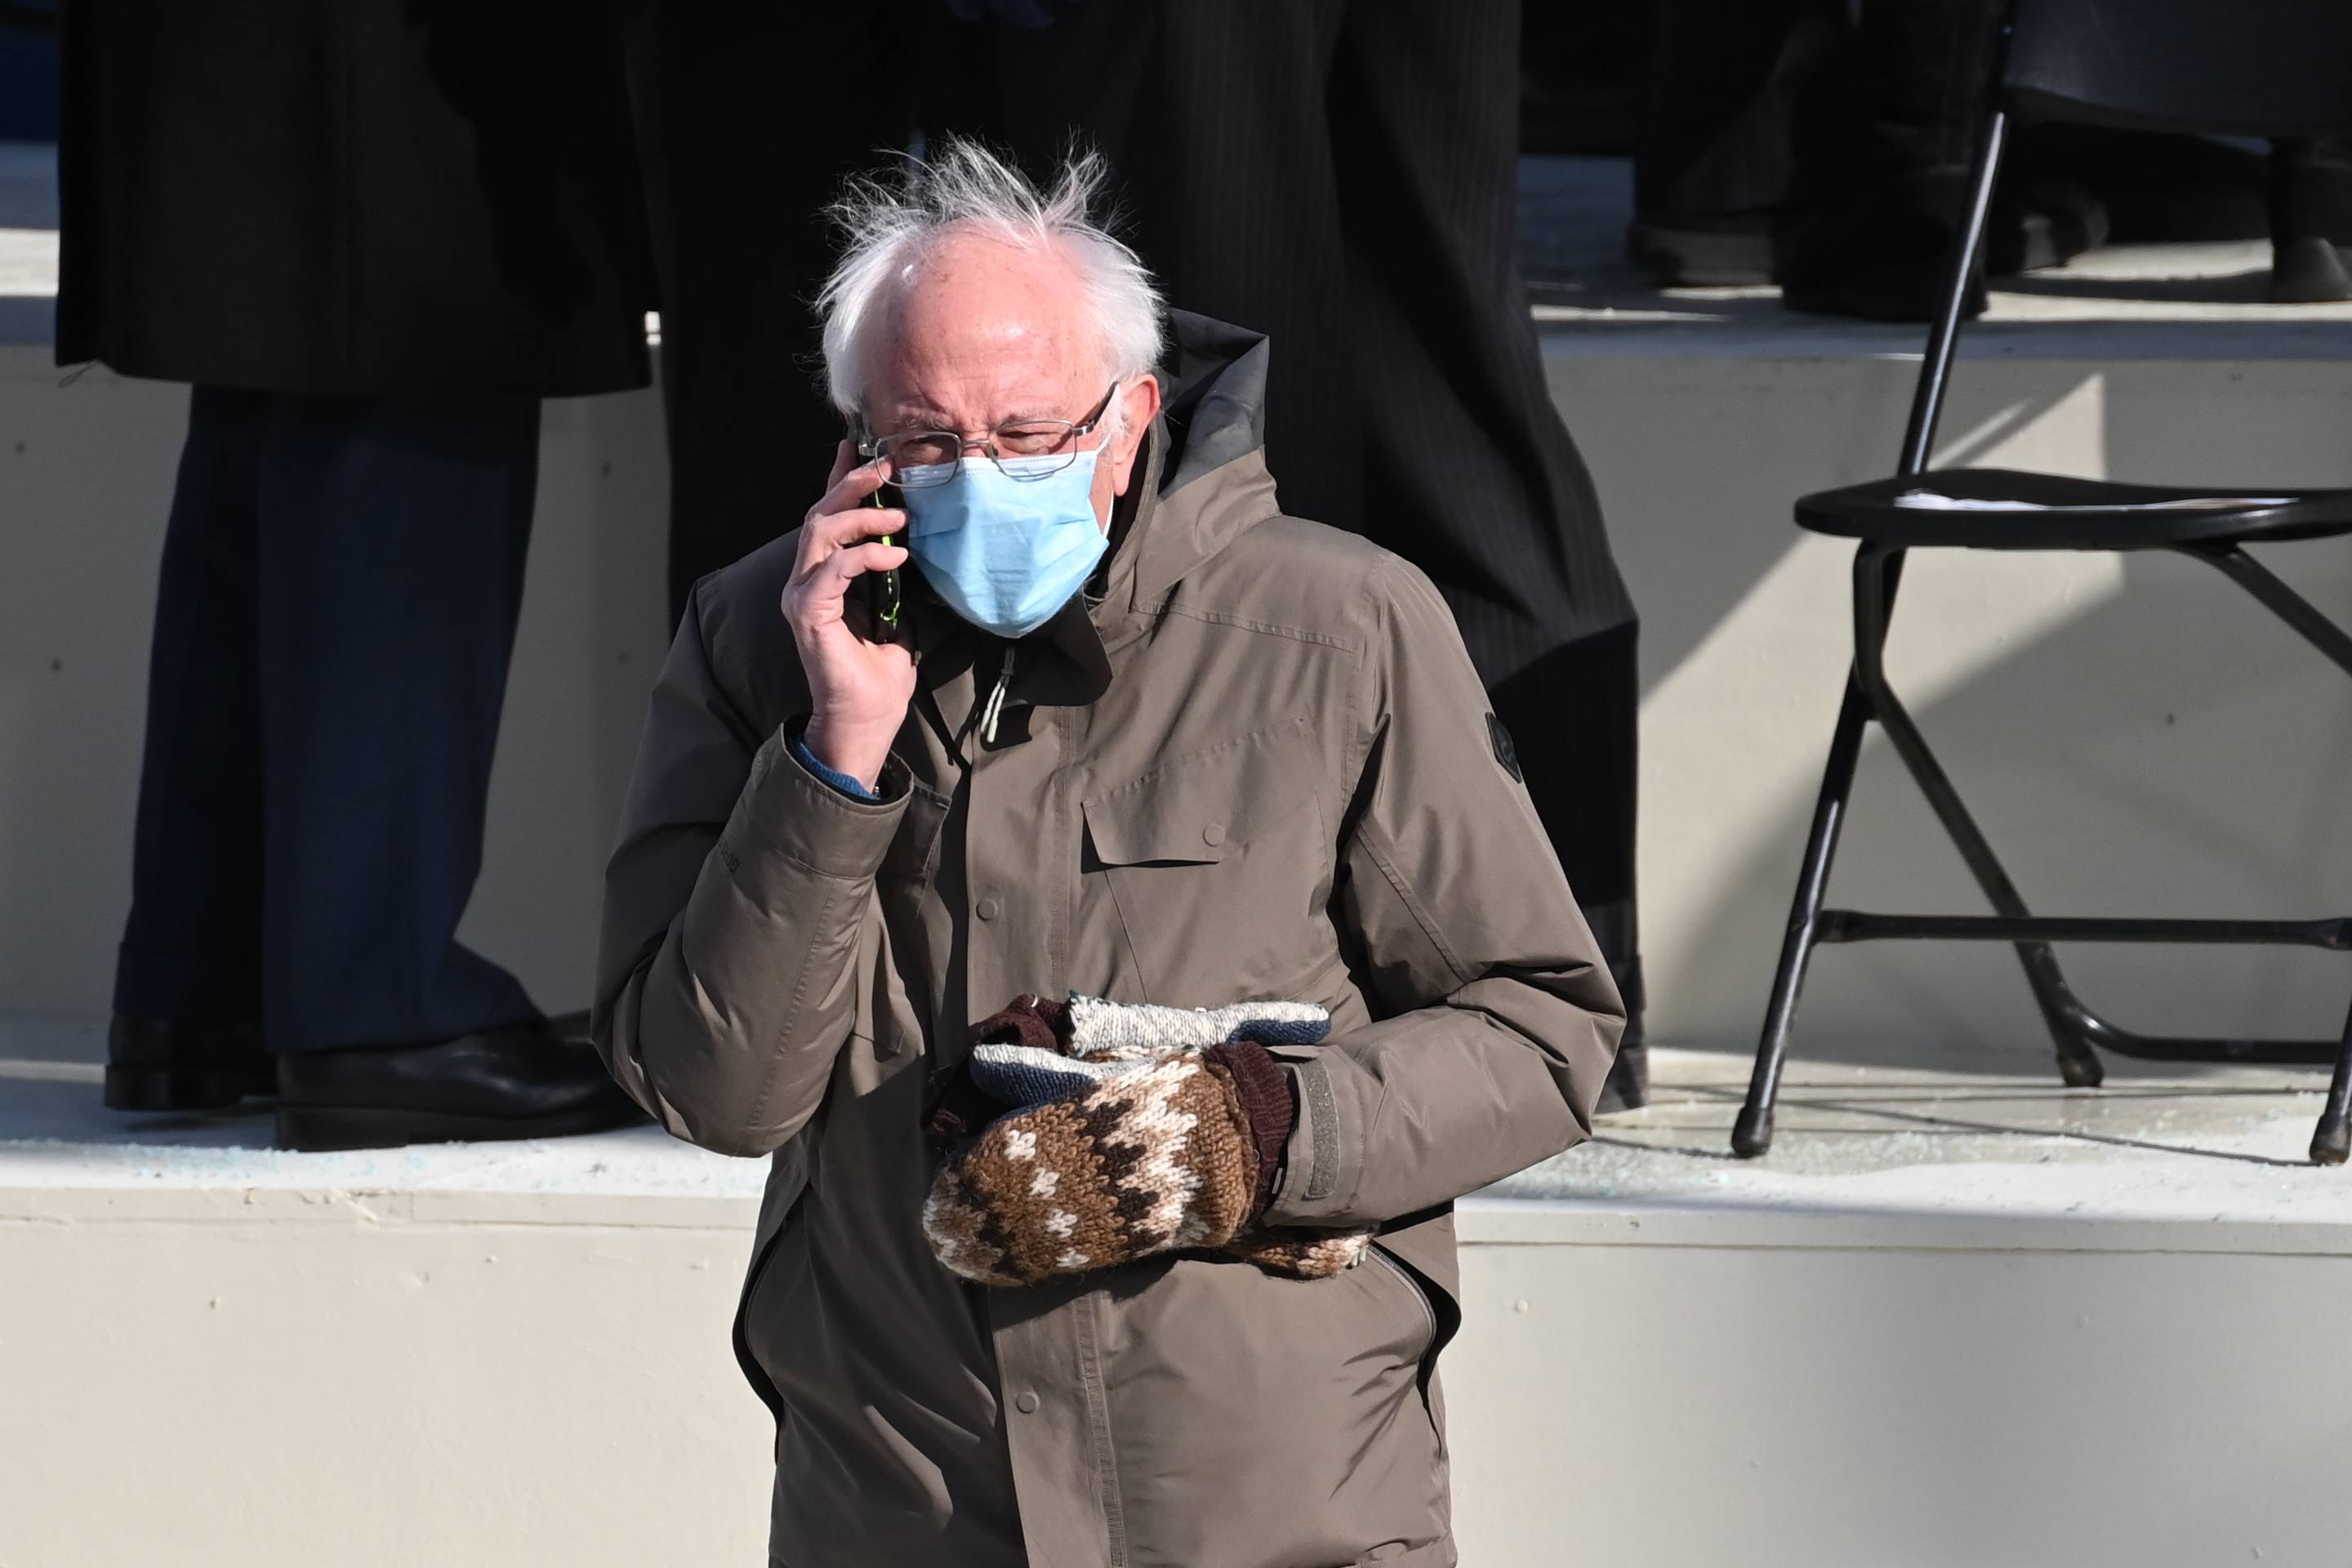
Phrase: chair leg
(2282, 600)
(1751, 1135)
(2078, 1064)
(2332, 1140)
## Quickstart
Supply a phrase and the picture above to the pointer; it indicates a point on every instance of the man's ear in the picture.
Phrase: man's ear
(1138, 406)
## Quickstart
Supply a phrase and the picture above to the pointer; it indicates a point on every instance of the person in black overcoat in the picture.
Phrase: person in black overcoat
(372, 235)
(1341, 176)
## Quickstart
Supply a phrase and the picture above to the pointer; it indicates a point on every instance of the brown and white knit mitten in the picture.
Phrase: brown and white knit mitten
(1295, 1252)
(1165, 1156)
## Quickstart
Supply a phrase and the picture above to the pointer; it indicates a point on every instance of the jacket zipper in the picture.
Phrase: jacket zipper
(1428, 1340)
(1420, 1296)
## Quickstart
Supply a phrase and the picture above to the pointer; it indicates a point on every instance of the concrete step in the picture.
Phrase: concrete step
(1955, 1319)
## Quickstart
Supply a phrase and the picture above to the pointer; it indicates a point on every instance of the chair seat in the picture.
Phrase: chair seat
(2004, 509)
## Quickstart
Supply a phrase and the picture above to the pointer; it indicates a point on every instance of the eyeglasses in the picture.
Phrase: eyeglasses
(1043, 446)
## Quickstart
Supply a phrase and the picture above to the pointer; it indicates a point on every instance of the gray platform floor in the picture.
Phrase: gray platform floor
(2137, 302)
(2221, 1144)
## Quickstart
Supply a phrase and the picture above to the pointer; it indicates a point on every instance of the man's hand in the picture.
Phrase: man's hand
(860, 689)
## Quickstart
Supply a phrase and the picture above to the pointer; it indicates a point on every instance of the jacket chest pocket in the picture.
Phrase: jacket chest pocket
(1217, 867)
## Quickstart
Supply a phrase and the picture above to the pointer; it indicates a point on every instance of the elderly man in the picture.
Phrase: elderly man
(1097, 1278)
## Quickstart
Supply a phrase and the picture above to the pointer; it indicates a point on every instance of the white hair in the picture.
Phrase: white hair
(962, 187)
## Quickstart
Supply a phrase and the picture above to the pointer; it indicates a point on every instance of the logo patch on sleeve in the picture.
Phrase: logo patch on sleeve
(1505, 752)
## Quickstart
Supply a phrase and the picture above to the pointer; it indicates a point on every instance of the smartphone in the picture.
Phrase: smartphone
(883, 602)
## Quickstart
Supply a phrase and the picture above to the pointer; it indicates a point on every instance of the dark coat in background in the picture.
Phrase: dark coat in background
(1341, 176)
(352, 196)
(738, 175)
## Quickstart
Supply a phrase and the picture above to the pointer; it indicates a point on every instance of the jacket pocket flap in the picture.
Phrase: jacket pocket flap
(1193, 809)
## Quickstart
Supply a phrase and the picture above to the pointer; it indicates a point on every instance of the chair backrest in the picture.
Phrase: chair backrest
(2256, 68)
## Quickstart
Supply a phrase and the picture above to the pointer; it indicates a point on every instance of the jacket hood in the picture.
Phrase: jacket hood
(1216, 407)
(1206, 479)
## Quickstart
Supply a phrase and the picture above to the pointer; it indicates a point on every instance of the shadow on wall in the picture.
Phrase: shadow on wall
(1702, 538)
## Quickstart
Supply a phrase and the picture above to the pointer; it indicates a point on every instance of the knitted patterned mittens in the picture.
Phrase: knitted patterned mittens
(1035, 1051)
(1145, 1129)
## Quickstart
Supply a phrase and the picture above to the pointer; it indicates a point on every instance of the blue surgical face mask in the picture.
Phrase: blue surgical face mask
(1006, 547)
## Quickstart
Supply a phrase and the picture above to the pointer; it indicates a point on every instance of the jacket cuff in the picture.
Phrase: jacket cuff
(1308, 1192)
(788, 818)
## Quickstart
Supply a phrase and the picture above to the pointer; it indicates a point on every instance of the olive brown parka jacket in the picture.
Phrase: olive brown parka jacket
(1253, 761)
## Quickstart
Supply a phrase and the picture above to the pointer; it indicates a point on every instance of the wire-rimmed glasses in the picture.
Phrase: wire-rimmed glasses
(1037, 448)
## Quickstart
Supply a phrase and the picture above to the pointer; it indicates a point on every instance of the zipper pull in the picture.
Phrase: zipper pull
(995, 708)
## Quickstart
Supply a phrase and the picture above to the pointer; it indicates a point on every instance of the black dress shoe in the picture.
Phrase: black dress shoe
(1723, 250)
(2310, 271)
(2040, 221)
(154, 1064)
(2311, 221)
(522, 1081)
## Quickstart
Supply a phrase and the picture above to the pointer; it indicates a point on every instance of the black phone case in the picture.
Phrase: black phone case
(881, 592)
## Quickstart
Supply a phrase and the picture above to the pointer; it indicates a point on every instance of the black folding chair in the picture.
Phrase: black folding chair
(2249, 66)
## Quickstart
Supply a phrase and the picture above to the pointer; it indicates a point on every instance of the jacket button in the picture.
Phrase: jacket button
(985, 909)
(1214, 834)
(1026, 1404)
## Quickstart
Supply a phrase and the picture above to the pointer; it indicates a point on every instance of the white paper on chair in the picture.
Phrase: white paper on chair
(1929, 500)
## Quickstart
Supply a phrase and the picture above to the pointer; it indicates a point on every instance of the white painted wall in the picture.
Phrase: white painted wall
(2137, 735)
(1847, 1393)
(546, 1380)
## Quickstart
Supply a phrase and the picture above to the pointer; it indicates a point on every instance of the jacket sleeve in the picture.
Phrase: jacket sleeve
(733, 903)
(1495, 1020)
